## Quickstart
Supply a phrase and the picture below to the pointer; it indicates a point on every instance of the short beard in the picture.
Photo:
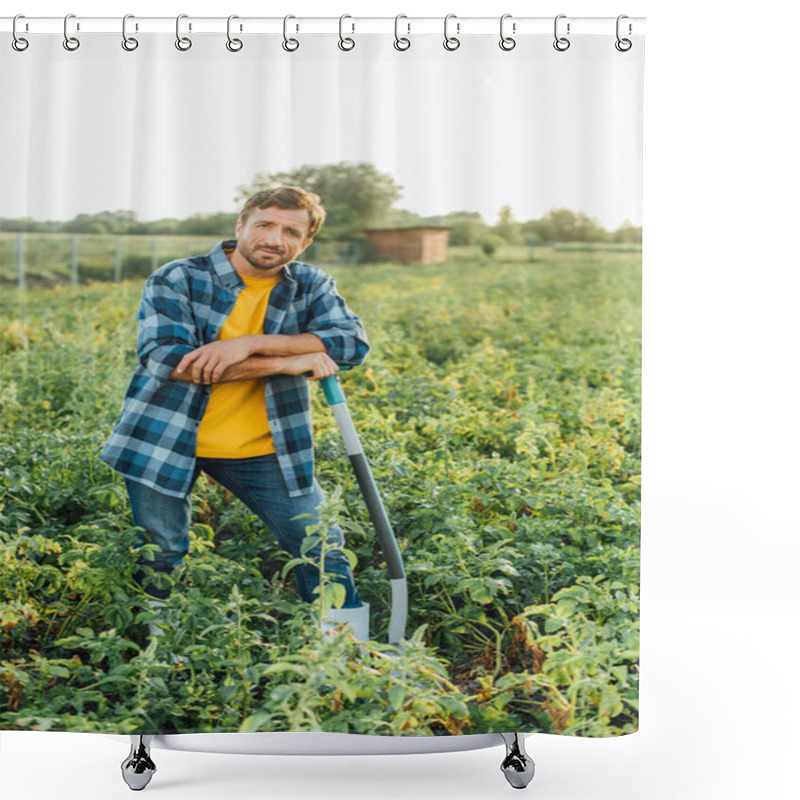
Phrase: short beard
(255, 265)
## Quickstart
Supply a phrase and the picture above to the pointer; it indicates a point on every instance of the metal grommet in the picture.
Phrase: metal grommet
(506, 42)
(561, 43)
(623, 45)
(70, 42)
(345, 42)
(401, 42)
(183, 43)
(18, 42)
(451, 42)
(289, 45)
(234, 45)
(129, 43)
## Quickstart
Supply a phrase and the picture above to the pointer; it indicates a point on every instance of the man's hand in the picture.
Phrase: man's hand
(320, 365)
(207, 363)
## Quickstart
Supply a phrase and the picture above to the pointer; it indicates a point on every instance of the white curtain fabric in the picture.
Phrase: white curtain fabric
(172, 133)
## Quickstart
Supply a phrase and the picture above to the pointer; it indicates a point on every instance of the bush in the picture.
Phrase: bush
(489, 243)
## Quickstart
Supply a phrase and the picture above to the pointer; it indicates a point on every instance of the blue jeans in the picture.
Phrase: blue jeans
(258, 483)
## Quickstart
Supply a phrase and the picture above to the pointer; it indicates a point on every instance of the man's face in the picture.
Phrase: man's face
(269, 239)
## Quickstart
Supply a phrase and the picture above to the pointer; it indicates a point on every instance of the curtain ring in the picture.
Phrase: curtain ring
(506, 42)
(561, 43)
(401, 42)
(623, 45)
(129, 43)
(183, 43)
(345, 42)
(70, 42)
(18, 42)
(451, 42)
(234, 45)
(289, 45)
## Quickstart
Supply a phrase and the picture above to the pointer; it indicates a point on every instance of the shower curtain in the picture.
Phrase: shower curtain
(475, 281)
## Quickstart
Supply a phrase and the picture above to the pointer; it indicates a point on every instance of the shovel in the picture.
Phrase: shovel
(334, 396)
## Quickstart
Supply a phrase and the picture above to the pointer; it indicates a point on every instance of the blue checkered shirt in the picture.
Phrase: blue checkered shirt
(184, 305)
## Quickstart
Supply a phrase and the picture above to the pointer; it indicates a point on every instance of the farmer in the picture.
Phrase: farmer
(225, 342)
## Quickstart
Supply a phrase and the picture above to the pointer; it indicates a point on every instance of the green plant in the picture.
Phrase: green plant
(589, 644)
(499, 410)
(489, 243)
(330, 593)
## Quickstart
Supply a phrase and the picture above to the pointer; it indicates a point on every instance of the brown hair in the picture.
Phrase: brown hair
(288, 197)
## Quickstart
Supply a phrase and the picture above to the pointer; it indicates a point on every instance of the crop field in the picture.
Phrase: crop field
(500, 411)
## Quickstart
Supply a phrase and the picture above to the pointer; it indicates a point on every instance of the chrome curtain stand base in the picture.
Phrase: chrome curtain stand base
(138, 768)
(517, 766)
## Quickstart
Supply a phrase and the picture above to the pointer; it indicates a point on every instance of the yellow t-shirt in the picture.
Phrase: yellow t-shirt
(235, 422)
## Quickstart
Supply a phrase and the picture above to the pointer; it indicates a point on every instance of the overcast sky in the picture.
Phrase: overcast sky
(170, 134)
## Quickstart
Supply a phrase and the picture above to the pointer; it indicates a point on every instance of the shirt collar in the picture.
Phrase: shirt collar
(228, 276)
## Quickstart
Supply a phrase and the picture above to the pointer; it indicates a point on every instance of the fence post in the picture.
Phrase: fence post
(73, 260)
(154, 254)
(117, 259)
(20, 261)
(37, 258)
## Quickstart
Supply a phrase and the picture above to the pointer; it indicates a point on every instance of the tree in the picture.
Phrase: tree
(166, 226)
(402, 218)
(507, 227)
(465, 226)
(85, 223)
(564, 225)
(219, 224)
(590, 230)
(117, 222)
(627, 233)
(27, 225)
(355, 196)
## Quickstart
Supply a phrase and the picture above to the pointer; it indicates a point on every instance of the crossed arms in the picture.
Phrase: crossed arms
(176, 305)
(256, 356)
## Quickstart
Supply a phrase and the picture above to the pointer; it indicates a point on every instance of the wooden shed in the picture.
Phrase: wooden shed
(422, 245)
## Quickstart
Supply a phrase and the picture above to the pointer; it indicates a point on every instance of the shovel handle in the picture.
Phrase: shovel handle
(331, 387)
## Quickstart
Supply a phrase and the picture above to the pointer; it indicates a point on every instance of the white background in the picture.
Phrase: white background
(719, 695)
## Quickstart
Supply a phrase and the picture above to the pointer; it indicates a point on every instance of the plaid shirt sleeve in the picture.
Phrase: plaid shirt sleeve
(335, 324)
(167, 328)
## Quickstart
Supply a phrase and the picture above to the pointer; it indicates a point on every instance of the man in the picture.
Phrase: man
(224, 343)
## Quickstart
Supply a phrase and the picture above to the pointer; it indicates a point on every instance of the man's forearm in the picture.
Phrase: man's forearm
(279, 344)
(315, 366)
(252, 367)
(208, 363)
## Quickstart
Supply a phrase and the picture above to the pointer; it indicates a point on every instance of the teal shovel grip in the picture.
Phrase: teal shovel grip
(333, 389)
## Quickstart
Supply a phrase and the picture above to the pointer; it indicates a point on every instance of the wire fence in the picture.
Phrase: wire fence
(48, 259)
(51, 259)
